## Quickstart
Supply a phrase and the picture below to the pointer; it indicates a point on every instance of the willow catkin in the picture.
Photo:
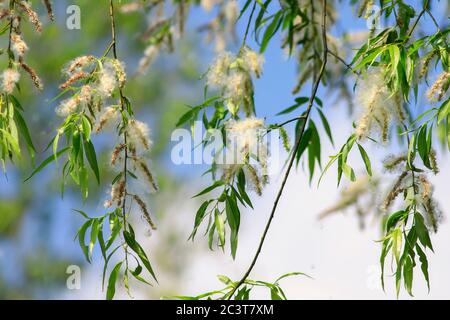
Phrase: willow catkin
(395, 191)
(255, 179)
(32, 15)
(138, 132)
(79, 63)
(76, 77)
(18, 46)
(10, 77)
(34, 77)
(439, 87)
(144, 211)
(109, 115)
(116, 153)
(148, 175)
(433, 161)
(49, 7)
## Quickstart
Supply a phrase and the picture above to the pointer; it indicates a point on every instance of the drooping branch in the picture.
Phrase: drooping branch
(122, 107)
(294, 151)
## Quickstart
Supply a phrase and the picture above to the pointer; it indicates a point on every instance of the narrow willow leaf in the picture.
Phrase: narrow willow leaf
(199, 218)
(219, 223)
(136, 247)
(47, 161)
(326, 126)
(94, 235)
(210, 188)
(92, 159)
(422, 231)
(394, 218)
(111, 291)
(81, 234)
(24, 130)
(366, 159)
(271, 30)
(423, 264)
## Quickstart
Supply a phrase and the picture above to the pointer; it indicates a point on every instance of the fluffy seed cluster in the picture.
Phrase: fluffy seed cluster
(10, 77)
(379, 105)
(109, 116)
(433, 214)
(246, 150)
(149, 56)
(422, 187)
(107, 81)
(138, 133)
(104, 77)
(18, 46)
(32, 15)
(232, 75)
(438, 89)
(253, 61)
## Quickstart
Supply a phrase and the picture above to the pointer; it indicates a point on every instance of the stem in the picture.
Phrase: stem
(349, 67)
(11, 27)
(294, 152)
(425, 8)
(113, 47)
(287, 122)
(248, 24)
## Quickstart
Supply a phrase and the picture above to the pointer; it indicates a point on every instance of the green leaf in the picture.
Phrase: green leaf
(233, 217)
(12, 141)
(387, 245)
(87, 128)
(423, 264)
(394, 218)
(444, 111)
(210, 188)
(192, 113)
(94, 235)
(136, 247)
(274, 294)
(24, 130)
(92, 159)
(326, 126)
(299, 102)
(105, 265)
(112, 281)
(81, 239)
(422, 231)
(349, 172)
(408, 275)
(271, 30)
(199, 217)
(366, 159)
(219, 223)
(47, 161)
(82, 213)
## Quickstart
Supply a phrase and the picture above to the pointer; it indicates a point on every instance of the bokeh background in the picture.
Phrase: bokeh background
(37, 226)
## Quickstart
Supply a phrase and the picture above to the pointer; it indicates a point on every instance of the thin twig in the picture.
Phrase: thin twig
(113, 46)
(293, 155)
(349, 67)
(248, 24)
(425, 8)
(11, 28)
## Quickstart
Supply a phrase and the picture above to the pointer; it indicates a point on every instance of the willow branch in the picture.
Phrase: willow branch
(294, 151)
(340, 59)
(425, 8)
(113, 47)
